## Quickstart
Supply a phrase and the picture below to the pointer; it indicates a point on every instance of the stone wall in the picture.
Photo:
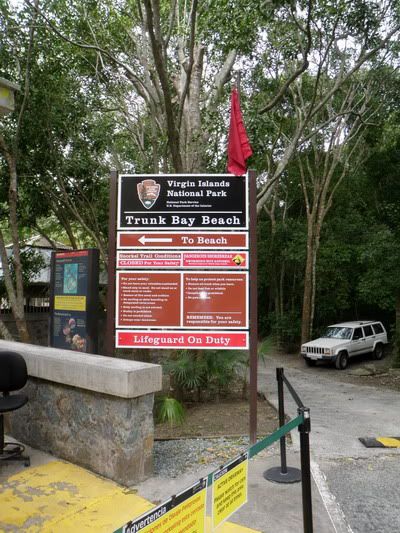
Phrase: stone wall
(92, 410)
(106, 434)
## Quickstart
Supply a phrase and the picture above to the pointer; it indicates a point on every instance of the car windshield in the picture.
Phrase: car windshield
(338, 333)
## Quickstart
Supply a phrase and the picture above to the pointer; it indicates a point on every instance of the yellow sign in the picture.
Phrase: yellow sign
(70, 303)
(229, 489)
(183, 513)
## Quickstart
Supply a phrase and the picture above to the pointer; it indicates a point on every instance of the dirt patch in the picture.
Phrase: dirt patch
(227, 418)
(381, 378)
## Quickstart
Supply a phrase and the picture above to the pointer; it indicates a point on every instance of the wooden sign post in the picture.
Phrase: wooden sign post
(183, 265)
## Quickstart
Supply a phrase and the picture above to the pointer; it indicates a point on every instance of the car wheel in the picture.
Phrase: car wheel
(378, 352)
(310, 362)
(342, 360)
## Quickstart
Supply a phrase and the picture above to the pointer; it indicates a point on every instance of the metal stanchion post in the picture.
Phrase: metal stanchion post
(281, 409)
(282, 474)
(304, 430)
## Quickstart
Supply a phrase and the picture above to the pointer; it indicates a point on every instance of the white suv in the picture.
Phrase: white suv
(342, 341)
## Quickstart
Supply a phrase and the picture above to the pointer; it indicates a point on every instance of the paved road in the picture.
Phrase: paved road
(359, 485)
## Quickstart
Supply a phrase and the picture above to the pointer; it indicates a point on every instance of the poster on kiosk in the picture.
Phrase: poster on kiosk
(74, 297)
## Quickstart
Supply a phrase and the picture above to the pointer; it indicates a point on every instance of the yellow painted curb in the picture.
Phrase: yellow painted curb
(60, 497)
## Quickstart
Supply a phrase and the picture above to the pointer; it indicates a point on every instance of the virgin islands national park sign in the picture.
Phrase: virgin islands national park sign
(182, 201)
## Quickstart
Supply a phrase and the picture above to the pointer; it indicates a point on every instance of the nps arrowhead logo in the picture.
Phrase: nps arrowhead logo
(148, 192)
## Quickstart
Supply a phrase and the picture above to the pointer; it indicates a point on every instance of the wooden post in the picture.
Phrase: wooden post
(112, 219)
(253, 305)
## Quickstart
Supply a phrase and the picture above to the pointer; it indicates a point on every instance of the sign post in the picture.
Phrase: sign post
(184, 261)
(111, 270)
(253, 306)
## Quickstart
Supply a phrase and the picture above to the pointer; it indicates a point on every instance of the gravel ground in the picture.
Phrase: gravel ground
(175, 457)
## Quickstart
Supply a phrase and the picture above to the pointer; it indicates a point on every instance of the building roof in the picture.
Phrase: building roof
(38, 241)
(44, 247)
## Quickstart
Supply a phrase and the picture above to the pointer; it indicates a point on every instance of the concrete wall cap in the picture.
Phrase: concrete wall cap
(107, 375)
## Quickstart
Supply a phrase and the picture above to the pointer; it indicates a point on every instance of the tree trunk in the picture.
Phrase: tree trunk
(310, 278)
(396, 343)
(306, 313)
(4, 332)
(193, 156)
(67, 226)
(15, 292)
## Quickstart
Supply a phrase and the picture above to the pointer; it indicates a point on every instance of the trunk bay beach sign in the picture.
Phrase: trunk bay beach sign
(179, 201)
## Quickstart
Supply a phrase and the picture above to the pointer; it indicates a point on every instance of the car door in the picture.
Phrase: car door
(369, 338)
(358, 342)
(380, 333)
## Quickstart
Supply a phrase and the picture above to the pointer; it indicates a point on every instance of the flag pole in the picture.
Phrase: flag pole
(237, 82)
(239, 150)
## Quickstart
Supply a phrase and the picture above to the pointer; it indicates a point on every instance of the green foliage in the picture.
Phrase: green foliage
(187, 370)
(265, 347)
(286, 328)
(169, 410)
(205, 370)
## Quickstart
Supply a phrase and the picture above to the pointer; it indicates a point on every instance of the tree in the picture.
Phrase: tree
(323, 167)
(322, 100)
(334, 43)
(164, 65)
(9, 149)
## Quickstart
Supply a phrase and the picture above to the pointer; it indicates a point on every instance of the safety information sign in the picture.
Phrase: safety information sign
(229, 489)
(184, 512)
(182, 299)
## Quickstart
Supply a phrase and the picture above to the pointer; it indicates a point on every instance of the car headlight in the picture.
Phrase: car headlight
(303, 349)
(327, 351)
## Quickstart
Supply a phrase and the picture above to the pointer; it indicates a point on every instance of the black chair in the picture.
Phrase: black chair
(13, 376)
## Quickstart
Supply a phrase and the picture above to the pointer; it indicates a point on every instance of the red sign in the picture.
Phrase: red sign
(216, 300)
(182, 339)
(182, 299)
(77, 253)
(218, 240)
(148, 299)
(159, 259)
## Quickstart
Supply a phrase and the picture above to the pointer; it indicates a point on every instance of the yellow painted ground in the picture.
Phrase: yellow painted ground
(60, 497)
(389, 442)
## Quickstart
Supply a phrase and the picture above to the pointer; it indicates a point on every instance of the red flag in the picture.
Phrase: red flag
(239, 148)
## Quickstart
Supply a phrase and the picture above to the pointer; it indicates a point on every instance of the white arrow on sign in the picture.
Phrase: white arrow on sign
(143, 239)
